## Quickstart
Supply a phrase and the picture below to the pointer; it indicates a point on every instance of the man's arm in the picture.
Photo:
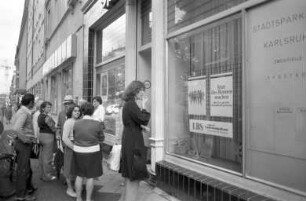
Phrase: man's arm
(19, 125)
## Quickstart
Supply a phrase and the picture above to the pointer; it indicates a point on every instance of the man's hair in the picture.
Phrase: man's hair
(27, 99)
(87, 109)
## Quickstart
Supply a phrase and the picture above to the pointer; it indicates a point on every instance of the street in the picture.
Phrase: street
(108, 187)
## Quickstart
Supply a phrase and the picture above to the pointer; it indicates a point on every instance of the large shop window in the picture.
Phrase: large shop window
(111, 87)
(205, 94)
(111, 40)
(184, 12)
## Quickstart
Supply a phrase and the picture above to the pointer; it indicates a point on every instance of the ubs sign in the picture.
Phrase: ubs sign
(108, 4)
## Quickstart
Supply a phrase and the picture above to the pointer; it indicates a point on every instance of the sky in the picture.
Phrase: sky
(10, 19)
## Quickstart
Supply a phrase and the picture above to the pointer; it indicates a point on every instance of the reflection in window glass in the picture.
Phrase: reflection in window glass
(205, 95)
(185, 12)
(113, 39)
(115, 78)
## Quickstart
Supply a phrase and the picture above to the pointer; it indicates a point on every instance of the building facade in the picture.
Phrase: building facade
(226, 81)
(62, 68)
(21, 52)
(50, 63)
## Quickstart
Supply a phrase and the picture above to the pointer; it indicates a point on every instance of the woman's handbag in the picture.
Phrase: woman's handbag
(35, 151)
(139, 167)
(114, 158)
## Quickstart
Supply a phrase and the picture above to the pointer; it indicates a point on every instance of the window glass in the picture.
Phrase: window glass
(205, 94)
(146, 22)
(67, 82)
(185, 12)
(111, 87)
(113, 39)
(276, 94)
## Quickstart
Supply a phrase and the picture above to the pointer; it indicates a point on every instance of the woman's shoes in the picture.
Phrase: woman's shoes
(49, 179)
(71, 193)
(26, 198)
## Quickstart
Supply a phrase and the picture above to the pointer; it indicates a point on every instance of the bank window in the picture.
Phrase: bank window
(205, 94)
(112, 38)
(185, 12)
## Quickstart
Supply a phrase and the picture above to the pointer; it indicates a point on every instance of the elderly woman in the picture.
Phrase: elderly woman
(47, 131)
(73, 114)
(88, 136)
(134, 115)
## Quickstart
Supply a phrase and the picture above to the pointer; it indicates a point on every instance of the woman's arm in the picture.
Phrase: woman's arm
(50, 122)
(66, 130)
(141, 116)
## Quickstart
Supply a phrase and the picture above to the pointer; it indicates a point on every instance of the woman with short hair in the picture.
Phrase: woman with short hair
(88, 136)
(73, 114)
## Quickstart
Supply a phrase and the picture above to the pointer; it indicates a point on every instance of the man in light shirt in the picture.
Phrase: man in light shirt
(23, 124)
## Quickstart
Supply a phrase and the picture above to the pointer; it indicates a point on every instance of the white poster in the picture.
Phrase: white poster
(221, 96)
(197, 97)
(216, 128)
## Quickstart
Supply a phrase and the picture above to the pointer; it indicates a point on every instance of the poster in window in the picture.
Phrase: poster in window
(104, 86)
(221, 96)
(197, 97)
(216, 128)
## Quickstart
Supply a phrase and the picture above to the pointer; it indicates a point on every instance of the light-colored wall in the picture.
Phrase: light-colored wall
(22, 59)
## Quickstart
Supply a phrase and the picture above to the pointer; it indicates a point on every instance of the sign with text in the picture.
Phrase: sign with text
(275, 93)
(197, 97)
(221, 96)
(216, 128)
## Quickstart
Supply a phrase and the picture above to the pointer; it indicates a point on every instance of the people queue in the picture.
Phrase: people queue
(80, 128)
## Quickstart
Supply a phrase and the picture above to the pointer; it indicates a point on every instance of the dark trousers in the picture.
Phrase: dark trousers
(24, 172)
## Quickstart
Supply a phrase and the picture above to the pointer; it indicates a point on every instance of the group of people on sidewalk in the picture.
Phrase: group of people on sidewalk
(80, 128)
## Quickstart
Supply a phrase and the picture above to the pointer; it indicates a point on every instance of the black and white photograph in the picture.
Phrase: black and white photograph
(153, 100)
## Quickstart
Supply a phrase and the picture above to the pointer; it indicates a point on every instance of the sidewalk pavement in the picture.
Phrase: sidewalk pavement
(108, 187)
